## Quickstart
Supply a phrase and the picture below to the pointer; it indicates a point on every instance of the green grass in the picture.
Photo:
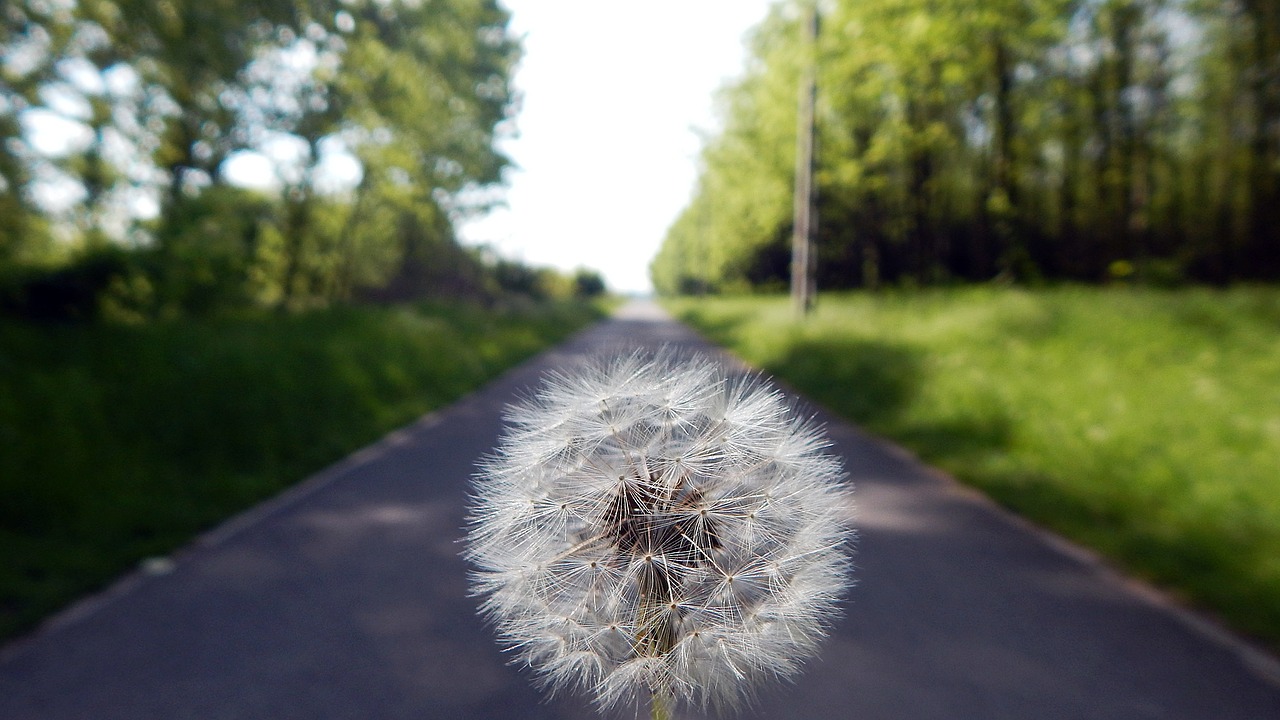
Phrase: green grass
(1143, 423)
(117, 443)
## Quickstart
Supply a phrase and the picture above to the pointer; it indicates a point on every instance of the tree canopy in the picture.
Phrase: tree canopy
(119, 120)
(1015, 139)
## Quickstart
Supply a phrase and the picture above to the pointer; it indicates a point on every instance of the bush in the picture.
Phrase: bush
(71, 292)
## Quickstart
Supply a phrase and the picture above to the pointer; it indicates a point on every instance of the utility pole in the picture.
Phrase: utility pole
(803, 283)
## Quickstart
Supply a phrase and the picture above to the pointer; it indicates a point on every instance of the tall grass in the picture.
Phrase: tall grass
(1143, 423)
(121, 442)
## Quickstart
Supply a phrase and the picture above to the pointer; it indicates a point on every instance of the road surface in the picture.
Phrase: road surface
(346, 598)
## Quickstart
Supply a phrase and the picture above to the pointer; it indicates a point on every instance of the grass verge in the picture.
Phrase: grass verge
(118, 443)
(1143, 423)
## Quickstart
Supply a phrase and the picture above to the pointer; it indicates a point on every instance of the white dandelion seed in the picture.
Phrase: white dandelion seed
(649, 526)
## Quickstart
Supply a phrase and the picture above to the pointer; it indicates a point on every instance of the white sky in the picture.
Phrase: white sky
(612, 95)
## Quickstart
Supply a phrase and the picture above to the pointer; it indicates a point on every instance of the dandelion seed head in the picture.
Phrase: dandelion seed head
(650, 525)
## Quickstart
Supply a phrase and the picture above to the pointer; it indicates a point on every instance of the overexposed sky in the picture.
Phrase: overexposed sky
(613, 94)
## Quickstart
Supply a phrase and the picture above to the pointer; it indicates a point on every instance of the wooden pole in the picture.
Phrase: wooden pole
(803, 287)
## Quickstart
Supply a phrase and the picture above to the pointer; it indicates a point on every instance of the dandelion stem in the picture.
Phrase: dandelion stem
(660, 706)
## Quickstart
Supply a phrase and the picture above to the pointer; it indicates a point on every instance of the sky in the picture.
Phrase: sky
(613, 97)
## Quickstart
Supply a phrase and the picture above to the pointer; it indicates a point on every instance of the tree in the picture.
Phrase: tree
(166, 92)
(1012, 140)
(28, 36)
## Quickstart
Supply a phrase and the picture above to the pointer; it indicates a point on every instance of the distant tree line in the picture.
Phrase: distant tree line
(1017, 139)
(133, 216)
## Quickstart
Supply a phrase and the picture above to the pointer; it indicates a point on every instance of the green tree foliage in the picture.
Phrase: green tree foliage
(22, 68)
(588, 283)
(161, 95)
(735, 222)
(1012, 139)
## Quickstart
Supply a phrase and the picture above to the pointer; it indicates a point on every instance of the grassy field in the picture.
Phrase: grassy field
(1143, 423)
(117, 443)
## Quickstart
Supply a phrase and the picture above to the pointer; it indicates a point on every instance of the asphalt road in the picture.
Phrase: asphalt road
(346, 598)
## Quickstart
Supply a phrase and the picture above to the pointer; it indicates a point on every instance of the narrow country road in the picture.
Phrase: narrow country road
(346, 598)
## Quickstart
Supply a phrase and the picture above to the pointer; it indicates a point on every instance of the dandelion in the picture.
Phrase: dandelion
(649, 526)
